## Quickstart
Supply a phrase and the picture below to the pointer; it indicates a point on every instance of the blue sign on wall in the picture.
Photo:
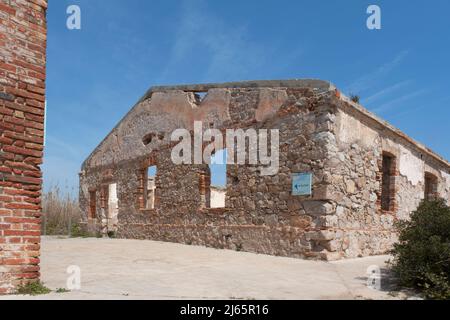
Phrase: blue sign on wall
(301, 184)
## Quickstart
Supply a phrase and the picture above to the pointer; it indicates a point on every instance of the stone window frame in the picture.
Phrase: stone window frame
(205, 182)
(104, 193)
(142, 173)
(393, 189)
(205, 193)
(434, 180)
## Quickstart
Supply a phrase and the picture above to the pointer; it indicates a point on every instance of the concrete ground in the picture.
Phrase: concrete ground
(133, 269)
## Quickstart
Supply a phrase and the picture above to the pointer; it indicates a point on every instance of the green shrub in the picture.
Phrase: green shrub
(422, 255)
(78, 231)
(355, 98)
(33, 288)
(111, 234)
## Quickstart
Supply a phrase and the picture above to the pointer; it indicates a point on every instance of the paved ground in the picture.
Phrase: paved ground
(131, 269)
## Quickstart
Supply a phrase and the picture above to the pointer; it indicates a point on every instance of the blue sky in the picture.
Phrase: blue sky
(95, 75)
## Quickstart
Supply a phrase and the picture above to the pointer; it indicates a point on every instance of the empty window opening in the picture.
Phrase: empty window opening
(150, 137)
(200, 96)
(388, 183)
(431, 186)
(92, 205)
(218, 170)
(151, 187)
(113, 207)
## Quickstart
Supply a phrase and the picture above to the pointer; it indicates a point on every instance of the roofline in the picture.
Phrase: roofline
(371, 116)
(290, 83)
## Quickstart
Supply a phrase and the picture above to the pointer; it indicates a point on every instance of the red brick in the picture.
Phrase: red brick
(7, 141)
(24, 108)
(7, 9)
(5, 198)
(7, 67)
(21, 137)
(21, 220)
(30, 275)
(31, 268)
(24, 137)
(21, 233)
(25, 94)
(6, 111)
(5, 226)
(5, 169)
(35, 89)
(23, 151)
(14, 240)
(21, 206)
(29, 66)
(4, 212)
(35, 103)
(31, 240)
(20, 261)
(22, 192)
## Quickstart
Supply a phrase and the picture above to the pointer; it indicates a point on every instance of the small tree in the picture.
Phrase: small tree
(422, 255)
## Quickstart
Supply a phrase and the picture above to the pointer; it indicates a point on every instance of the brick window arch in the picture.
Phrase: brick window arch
(387, 177)
(431, 186)
(92, 204)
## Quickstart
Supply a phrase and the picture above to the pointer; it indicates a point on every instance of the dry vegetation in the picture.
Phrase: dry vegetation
(61, 213)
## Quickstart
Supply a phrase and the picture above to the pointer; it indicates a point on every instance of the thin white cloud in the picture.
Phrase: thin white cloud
(401, 100)
(367, 81)
(405, 112)
(418, 108)
(385, 92)
(60, 145)
(227, 51)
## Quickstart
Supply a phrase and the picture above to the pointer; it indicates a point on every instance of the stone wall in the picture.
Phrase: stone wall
(362, 139)
(320, 132)
(22, 98)
(260, 215)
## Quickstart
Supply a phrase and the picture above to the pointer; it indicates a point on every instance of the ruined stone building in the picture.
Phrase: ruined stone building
(23, 33)
(365, 173)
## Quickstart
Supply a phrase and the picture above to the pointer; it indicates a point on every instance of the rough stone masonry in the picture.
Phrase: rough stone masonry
(22, 97)
(366, 174)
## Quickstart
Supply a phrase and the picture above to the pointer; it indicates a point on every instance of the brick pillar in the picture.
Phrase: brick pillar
(22, 97)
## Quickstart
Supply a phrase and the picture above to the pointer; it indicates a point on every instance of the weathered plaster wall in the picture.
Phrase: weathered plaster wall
(411, 166)
(365, 227)
(445, 187)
